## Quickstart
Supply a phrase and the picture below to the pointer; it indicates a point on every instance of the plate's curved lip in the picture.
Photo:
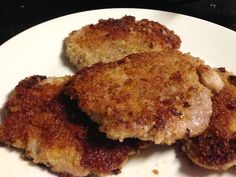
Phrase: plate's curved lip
(117, 9)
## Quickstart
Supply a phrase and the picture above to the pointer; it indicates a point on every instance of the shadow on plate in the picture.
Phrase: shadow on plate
(64, 60)
(2, 109)
(150, 151)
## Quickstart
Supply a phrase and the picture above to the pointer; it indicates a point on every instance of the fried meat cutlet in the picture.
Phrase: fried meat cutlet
(113, 39)
(151, 96)
(41, 121)
(216, 148)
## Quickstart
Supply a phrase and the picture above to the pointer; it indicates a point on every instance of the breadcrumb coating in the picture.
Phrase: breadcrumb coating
(51, 131)
(215, 149)
(151, 96)
(112, 39)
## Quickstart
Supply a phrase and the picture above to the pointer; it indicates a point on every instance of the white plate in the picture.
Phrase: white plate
(39, 50)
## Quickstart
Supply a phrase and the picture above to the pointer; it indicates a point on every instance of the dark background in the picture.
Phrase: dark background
(18, 15)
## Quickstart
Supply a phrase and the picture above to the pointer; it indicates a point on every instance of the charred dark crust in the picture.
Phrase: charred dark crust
(153, 31)
(221, 69)
(54, 120)
(213, 150)
(232, 79)
(216, 147)
(31, 81)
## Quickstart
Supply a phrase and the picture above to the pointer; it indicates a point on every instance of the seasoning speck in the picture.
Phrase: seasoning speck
(117, 171)
(232, 105)
(221, 69)
(175, 112)
(232, 79)
(186, 104)
(155, 171)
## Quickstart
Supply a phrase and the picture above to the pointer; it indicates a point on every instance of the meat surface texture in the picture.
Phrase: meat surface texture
(216, 148)
(153, 96)
(113, 39)
(51, 131)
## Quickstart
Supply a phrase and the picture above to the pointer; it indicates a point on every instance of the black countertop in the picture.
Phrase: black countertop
(18, 15)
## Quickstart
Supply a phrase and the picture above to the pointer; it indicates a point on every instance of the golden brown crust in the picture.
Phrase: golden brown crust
(216, 148)
(150, 96)
(51, 130)
(113, 39)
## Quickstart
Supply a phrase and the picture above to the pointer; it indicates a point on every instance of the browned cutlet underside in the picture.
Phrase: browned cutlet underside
(112, 39)
(216, 148)
(151, 96)
(51, 131)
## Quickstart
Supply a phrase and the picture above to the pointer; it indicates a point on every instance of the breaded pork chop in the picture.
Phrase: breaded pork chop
(41, 121)
(113, 39)
(216, 148)
(151, 96)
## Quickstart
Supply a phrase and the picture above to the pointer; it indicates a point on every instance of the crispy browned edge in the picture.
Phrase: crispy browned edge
(99, 154)
(120, 28)
(142, 36)
(215, 149)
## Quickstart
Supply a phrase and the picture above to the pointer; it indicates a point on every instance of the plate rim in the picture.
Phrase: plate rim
(112, 9)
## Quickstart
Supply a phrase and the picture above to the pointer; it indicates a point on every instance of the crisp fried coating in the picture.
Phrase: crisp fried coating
(113, 39)
(51, 131)
(216, 148)
(151, 96)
